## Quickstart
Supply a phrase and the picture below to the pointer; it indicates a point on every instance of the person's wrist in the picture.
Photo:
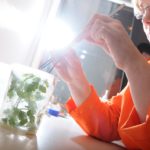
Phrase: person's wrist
(80, 83)
(134, 63)
(80, 90)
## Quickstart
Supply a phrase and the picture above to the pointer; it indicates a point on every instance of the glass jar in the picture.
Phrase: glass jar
(27, 95)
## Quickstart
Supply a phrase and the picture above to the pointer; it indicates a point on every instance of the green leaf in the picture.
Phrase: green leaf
(23, 122)
(11, 93)
(42, 88)
(12, 121)
(12, 116)
(27, 76)
(20, 93)
(15, 111)
(30, 114)
(46, 83)
(21, 114)
(36, 79)
(12, 87)
(30, 87)
(22, 117)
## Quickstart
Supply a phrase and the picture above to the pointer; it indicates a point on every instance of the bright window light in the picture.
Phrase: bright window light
(58, 35)
(24, 22)
(82, 56)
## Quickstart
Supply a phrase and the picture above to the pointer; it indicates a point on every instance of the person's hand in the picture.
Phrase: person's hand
(69, 69)
(111, 35)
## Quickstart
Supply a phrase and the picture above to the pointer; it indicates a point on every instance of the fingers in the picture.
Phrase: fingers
(60, 67)
(68, 60)
(85, 31)
(95, 31)
(94, 24)
(72, 59)
(98, 17)
(105, 28)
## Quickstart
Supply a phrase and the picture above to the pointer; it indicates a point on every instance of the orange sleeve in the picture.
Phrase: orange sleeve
(97, 118)
(136, 134)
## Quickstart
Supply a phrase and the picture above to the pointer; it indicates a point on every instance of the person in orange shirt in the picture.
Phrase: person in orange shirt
(127, 115)
(116, 86)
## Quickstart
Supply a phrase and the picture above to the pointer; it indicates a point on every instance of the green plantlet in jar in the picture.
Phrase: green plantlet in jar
(23, 93)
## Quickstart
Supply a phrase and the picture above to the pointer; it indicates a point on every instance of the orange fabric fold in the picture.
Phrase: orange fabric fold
(112, 120)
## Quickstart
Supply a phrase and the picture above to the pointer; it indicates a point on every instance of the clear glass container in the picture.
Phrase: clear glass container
(27, 95)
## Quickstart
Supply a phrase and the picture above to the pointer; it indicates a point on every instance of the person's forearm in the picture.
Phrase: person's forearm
(80, 90)
(138, 74)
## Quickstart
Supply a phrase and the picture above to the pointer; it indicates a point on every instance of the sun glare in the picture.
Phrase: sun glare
(58, 35)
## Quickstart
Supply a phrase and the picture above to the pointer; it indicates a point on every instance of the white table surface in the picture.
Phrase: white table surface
(54, 133)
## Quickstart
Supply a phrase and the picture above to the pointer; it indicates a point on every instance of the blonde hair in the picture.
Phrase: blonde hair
(137, 7)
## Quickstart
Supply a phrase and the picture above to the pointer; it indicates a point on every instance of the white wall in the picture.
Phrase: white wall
(20, 26)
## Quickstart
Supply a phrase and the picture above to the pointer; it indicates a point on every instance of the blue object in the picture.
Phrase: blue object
(53, 112)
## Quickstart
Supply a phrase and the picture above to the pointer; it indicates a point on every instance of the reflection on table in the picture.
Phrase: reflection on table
(54, 133)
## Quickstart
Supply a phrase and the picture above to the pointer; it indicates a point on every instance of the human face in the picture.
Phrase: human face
(144, 6)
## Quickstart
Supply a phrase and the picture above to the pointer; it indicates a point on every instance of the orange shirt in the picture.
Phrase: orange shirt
(112, 120)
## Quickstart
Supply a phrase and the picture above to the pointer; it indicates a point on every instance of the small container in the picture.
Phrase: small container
(27, 95)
